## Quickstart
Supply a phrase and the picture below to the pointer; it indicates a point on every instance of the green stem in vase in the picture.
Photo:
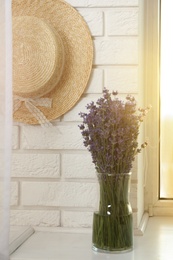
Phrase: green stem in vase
(112, 224)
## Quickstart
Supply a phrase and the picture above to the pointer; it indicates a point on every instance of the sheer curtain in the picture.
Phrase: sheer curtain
(5, 123)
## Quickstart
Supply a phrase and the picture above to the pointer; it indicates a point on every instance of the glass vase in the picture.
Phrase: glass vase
(113, 222)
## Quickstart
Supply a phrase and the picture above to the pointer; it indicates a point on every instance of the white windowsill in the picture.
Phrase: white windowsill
(18, 235)
(155, 244)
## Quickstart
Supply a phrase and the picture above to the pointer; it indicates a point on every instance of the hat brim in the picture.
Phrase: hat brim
(78, 47)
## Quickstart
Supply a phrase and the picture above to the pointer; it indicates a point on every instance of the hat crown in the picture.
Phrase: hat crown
(38, 57)
(77, 58)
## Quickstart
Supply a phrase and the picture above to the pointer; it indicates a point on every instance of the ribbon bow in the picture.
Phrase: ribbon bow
(31, 105)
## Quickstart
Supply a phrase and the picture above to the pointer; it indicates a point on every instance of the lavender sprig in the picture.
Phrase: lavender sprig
(110, 130)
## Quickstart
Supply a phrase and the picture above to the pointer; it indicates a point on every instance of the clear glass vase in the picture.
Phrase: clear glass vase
(113, 222)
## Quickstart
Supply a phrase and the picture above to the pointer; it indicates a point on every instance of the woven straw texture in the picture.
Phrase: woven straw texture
(38, 57)
(78, 55)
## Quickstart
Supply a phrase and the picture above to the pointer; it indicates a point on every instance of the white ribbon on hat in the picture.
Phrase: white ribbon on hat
(31, 104)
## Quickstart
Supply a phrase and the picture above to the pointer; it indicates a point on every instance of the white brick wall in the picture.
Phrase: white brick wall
(53, 178)
(123, 79)
(78, 165)
(102, 3)
(94, 19)
(124, 51)
(14, 193)
(59, 194)
(36, 165)
(122, 21)
(47, 218)
(76, 219)
(62, 136)
(15, 137)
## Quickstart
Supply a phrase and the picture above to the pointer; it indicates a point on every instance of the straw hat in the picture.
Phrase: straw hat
(52, 59)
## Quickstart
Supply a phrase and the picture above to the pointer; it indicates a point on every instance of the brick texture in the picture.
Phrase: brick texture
(15, 137)
(94, 19)
(122, 21)
(53, 178)
(123, 79)
(58, 137)
(14, 193)
(36, 165)
(42, 218)
(67, 194)
(77, 219)
(123, 51)
(102, 3)
(78, 166)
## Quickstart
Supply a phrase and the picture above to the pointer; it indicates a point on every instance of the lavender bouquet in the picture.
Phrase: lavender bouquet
(110, 130)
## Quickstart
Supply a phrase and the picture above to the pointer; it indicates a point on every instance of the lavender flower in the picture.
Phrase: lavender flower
(110, 130)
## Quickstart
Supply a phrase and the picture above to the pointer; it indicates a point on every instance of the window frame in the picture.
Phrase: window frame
(153, 204)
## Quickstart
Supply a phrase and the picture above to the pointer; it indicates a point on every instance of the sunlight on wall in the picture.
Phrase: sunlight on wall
(166, 94)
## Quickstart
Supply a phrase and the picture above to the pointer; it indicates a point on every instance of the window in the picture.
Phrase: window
(155, 200)
(166, 100)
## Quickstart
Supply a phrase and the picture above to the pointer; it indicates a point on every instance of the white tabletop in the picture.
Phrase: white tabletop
(155, 244)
